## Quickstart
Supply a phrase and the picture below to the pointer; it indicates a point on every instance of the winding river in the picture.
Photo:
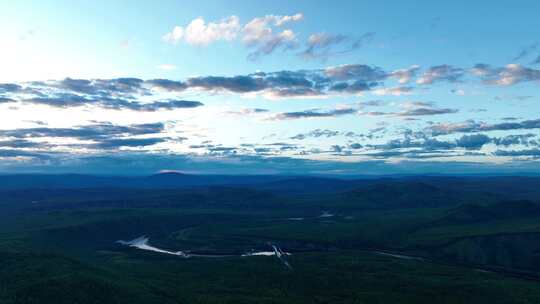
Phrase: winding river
(143, 243)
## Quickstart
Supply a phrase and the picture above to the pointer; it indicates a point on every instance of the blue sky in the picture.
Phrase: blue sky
(308, 87)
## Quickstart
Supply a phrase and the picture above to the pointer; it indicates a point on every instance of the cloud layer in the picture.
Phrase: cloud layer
(405, 122)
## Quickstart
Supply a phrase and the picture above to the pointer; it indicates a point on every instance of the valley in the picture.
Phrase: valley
(375, 239)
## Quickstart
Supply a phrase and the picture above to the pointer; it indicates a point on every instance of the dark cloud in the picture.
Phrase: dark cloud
(324, 45)
(271, 149)
(77, 85)
(516, 153)
(248, 111)
(140, 95)
(353, 87)
(412, 148)
(313, 114)
(519, 139)
(349, 79)
(115, 143)
(416, 108)
(394, 154)
(19, 143)
(422, 111)
(236, 84)
(472, 126)
(163, 105)
(439, 73)
(316, 134)
(118, 93)
(525, 51)
(220, 150)
(166, 85)
(426, 147)
(72, 100)
(508, 75)
(408, 143)
(475, 141)
(326, 133)
(282, 146)
(320, 45)
(357, 72)
(10, 88)
(149, 163)
(295, 92)
(87, 132)
(17, 153)
(336, 148)
(284, 79)
(102, 136)
(263, 35)
(342, 79)
(62, 100)
(284, 41)
(103, 87)
(5, 99)
(419, 154)
(355, 146)
(374, 103)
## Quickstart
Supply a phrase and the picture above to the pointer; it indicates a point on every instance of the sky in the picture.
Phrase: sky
(280, 87)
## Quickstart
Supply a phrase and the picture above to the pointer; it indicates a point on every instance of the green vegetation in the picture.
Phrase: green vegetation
(59, 246)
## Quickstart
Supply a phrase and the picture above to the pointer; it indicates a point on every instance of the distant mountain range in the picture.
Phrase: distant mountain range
(391, 186)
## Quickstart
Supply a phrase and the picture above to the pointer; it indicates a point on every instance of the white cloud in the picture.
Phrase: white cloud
(175, 35)
(262, 34)
(260, 29)
(199, 33)
(259, 34)
(280, 20)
